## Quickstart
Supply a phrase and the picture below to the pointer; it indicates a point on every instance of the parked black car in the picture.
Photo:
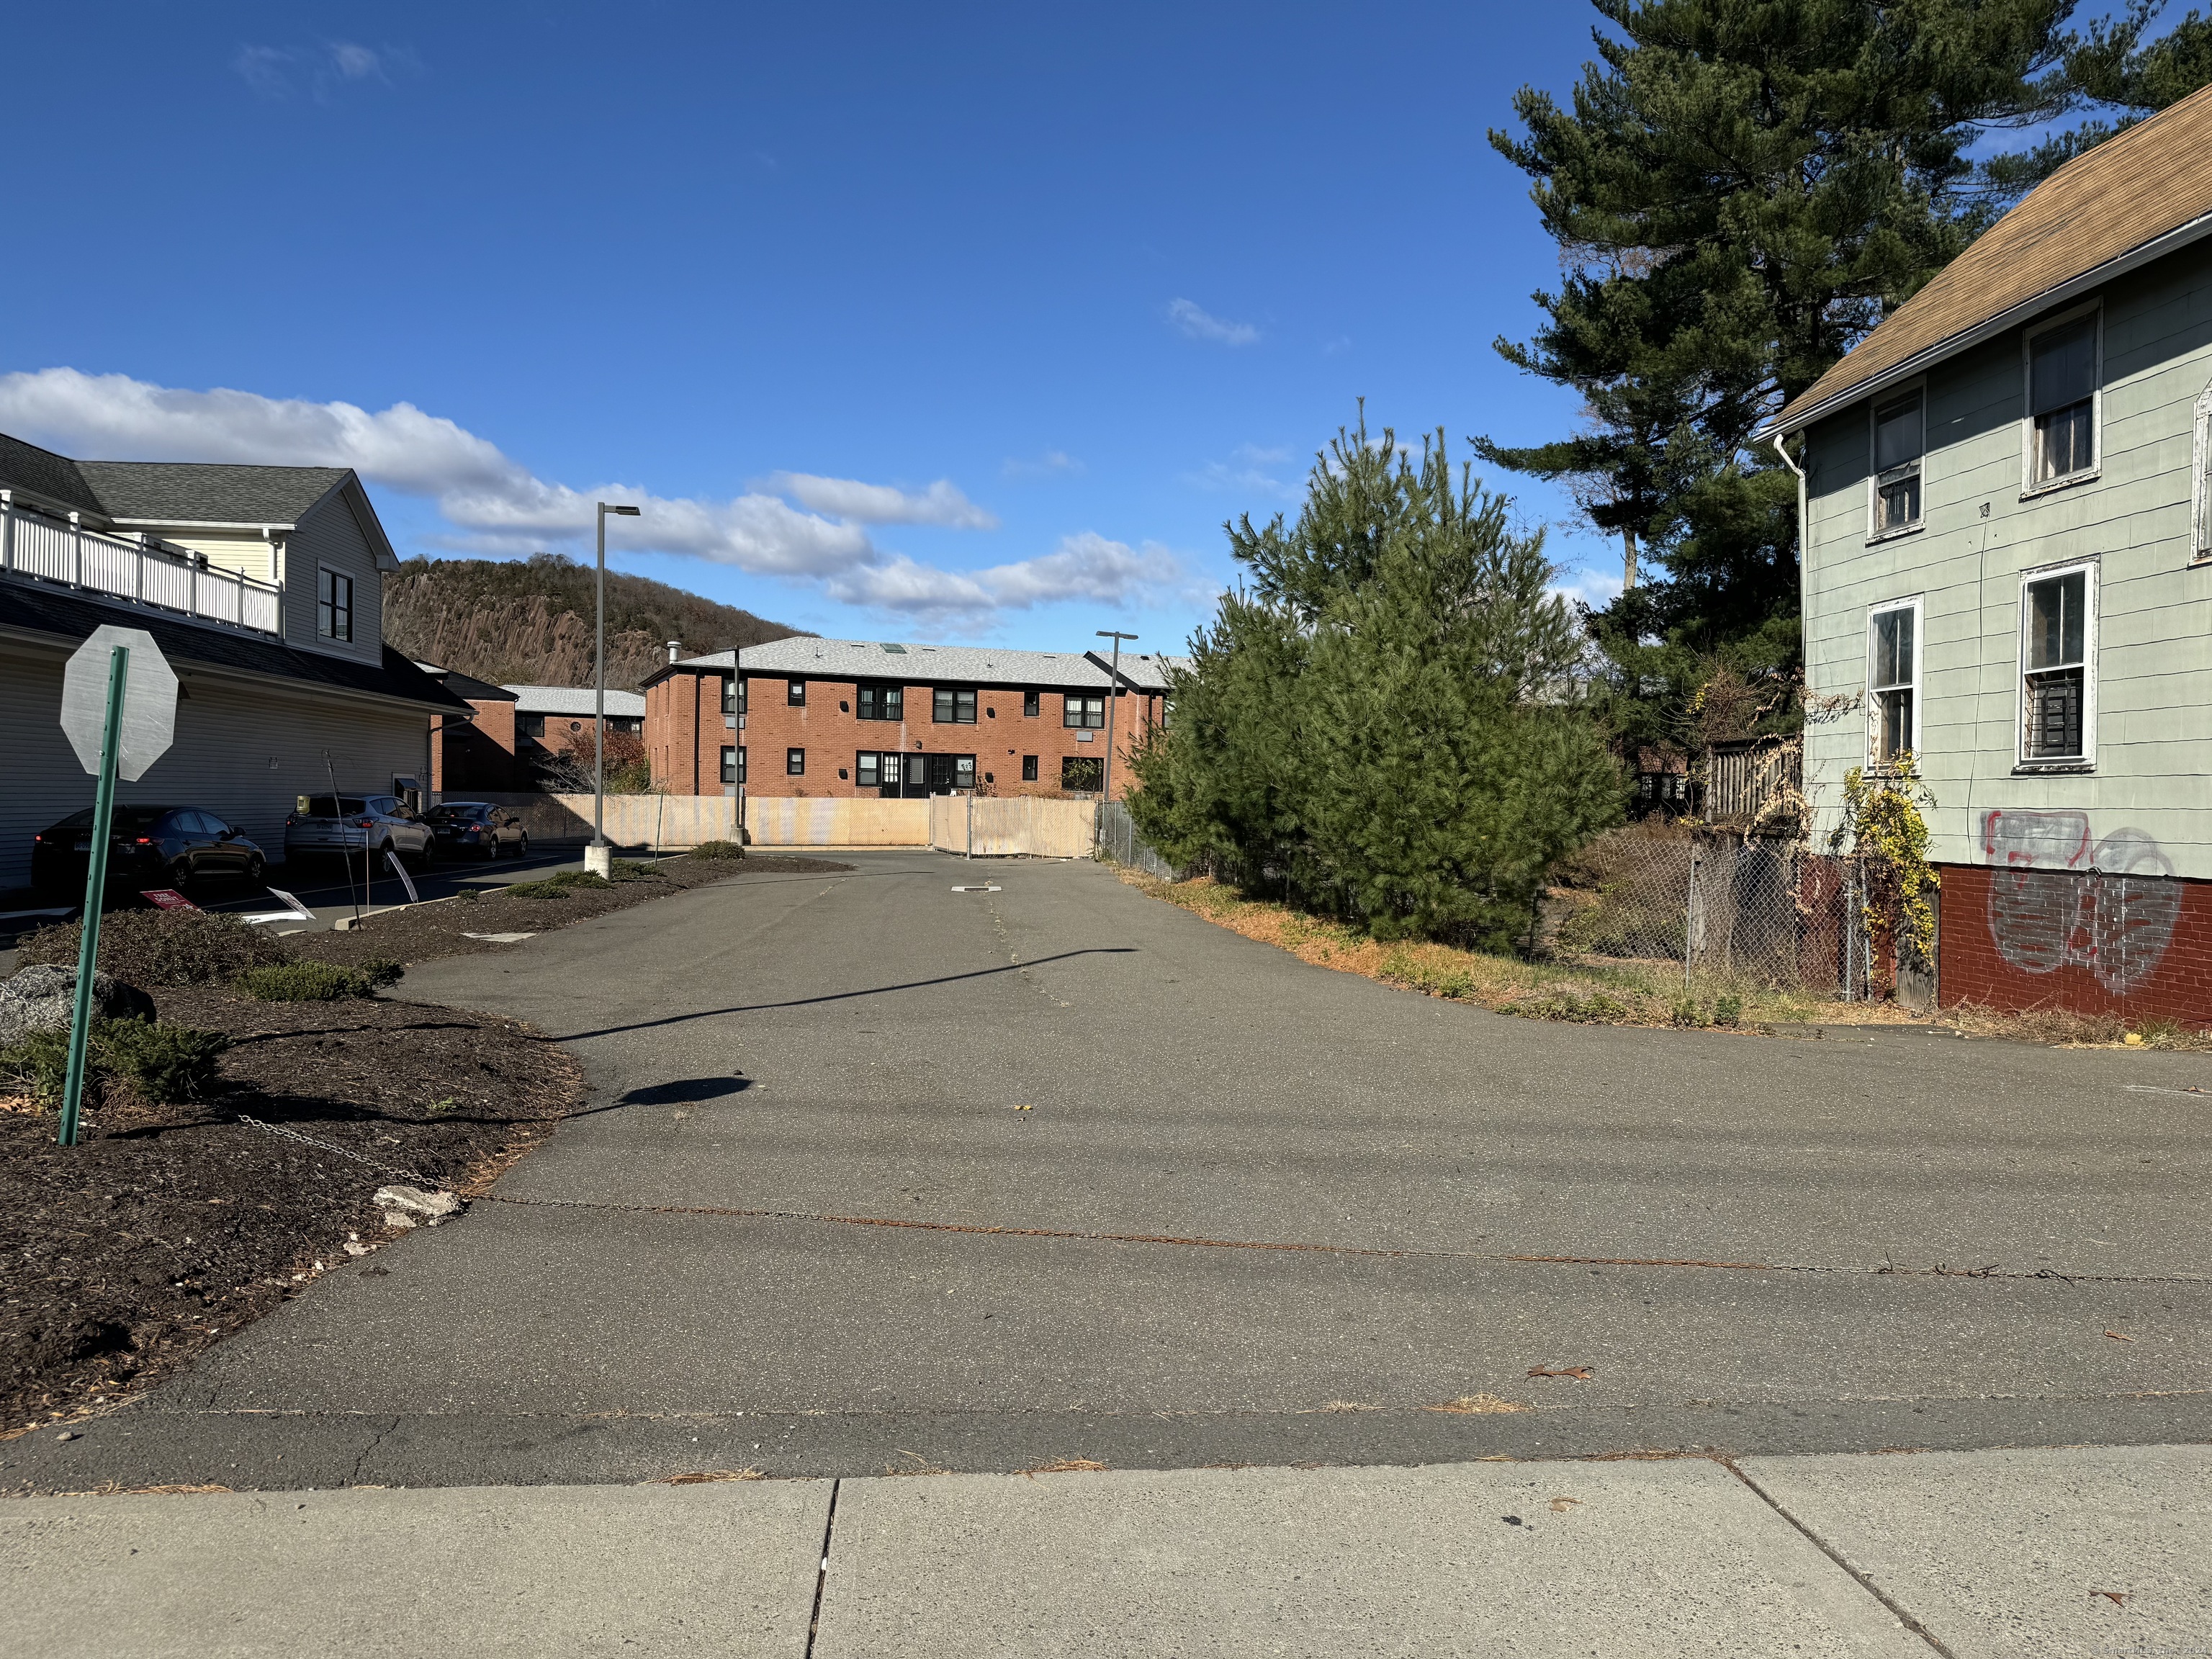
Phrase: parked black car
(149, 847)
(475, 829)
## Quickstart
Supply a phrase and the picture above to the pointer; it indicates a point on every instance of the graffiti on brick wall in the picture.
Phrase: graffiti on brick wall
(2056, 899)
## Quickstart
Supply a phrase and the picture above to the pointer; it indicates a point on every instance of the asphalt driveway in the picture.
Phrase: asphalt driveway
(905, 1177)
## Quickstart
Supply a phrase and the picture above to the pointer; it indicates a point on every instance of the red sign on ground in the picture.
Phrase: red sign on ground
(168, 898)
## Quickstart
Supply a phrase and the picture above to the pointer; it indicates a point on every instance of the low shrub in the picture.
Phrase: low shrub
(162, 1063)
(558, 886)
(719, 849)
(1596, 1009)
(632, 870)
(317, 982)
(38, 1064)
(1686, 1013)
(1728, 1010)
(161, 947)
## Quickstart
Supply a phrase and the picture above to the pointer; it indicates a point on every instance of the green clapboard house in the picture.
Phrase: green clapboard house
(2008, 573)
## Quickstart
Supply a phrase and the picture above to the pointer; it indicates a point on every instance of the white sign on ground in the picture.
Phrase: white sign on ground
(149, 702)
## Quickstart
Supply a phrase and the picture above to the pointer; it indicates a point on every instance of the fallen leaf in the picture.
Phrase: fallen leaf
(1478, 1405)
(1580, 1373)
(2117, 1337)
(1561, 1505)
(2115, 1597)
(700, 1477)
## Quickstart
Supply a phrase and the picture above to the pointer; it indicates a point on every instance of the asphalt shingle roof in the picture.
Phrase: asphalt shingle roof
(71, 616)
(804, 657)
(574, 700)
(209, 492)
(37, 471)
(2149, 182)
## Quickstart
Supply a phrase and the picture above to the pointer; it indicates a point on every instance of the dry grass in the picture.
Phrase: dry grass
(1066, 1466)
(1628, 993)
(703, 1477)
(1479, 1404)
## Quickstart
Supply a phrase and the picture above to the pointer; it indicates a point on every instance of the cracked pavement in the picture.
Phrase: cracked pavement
(819, 1237)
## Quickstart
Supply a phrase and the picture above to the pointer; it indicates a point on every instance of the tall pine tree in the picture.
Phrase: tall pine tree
(1741, 188)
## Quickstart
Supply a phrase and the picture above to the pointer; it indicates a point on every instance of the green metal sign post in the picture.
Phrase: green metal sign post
(96, 891)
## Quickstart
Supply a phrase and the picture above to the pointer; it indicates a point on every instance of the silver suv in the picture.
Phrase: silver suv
(332, 824)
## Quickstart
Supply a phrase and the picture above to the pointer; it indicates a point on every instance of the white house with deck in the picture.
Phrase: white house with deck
(262, 586)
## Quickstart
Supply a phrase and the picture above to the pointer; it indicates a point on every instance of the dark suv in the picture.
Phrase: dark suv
(475, 829)
(149, 847)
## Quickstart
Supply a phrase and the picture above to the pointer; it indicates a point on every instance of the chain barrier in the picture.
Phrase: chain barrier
(332, 1146)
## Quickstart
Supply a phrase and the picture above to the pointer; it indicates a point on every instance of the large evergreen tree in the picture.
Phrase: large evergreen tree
(1376, 721)
(1741, 188)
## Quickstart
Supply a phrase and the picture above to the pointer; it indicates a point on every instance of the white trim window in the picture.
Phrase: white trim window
(2200, 544)
(2065, 380)
(333, 604)
(1899, 435)
(1892, 681)
(2057, 658)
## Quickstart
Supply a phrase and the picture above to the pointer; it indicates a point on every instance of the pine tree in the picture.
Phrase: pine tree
(1740, 189)
(1381, 721)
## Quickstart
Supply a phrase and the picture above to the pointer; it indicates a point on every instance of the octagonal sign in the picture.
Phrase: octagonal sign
(149, 702)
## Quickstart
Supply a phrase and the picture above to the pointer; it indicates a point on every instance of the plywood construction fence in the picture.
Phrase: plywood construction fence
(672, 823)
(1012, 826)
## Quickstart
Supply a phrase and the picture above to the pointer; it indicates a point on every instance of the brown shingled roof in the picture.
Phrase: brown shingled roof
(2128, 192)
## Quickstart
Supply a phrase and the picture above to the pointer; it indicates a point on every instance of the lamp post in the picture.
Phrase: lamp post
(598, 857)
(1113, 701)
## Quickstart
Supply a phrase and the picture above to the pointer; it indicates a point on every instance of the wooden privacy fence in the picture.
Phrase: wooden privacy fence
(1009, 826)
(672, 823)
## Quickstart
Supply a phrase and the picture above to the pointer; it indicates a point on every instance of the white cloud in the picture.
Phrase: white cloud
(1203, 326)
(498, 505)
(1246, 473)
(1053, 462)
(497, 501)
(265, 68)
(866, 503)
(1085, 566)
(356, 63)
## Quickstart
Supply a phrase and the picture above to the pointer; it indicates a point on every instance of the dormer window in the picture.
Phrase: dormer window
(1899, 442)
(2061, 403)
(333, 604)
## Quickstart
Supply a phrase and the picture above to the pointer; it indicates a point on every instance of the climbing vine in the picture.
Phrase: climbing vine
(1882, 829)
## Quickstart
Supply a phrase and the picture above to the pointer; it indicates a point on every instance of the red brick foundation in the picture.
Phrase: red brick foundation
(2135, 947)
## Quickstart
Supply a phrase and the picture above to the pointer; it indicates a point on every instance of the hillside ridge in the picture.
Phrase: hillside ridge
(529, 621)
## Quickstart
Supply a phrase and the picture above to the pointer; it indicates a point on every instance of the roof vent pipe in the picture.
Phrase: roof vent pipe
(674, 646)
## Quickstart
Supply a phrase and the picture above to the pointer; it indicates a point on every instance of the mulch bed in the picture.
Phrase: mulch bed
(420, 932)
(168, 1227)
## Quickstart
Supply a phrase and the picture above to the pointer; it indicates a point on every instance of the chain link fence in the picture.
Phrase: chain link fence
(1119, 840)
(1715, 906)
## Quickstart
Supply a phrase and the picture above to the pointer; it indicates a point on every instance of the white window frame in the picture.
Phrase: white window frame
(337, 576)
(2087, 761)
(1874, 763)
(1896, 394)
(2029, 487)
(2200, 491)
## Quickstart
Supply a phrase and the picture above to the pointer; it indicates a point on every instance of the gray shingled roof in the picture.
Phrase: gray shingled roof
(41, 472)
(201, 492)
(802, 657)
(570, 699)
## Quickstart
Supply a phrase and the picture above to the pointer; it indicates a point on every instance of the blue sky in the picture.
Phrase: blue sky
(952, 321)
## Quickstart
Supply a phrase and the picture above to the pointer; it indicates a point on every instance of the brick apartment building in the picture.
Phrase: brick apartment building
(861, 718)
(513, 725)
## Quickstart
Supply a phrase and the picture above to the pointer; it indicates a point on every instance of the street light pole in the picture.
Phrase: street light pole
(598, 857)
(1113, 702)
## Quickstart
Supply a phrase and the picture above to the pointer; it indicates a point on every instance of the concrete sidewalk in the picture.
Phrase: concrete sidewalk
(1970, 1553)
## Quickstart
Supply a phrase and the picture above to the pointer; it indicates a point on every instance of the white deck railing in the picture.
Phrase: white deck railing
(137, 567)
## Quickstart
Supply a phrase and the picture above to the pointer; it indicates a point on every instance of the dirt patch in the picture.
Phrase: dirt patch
(171, 1226)
(424, 933)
